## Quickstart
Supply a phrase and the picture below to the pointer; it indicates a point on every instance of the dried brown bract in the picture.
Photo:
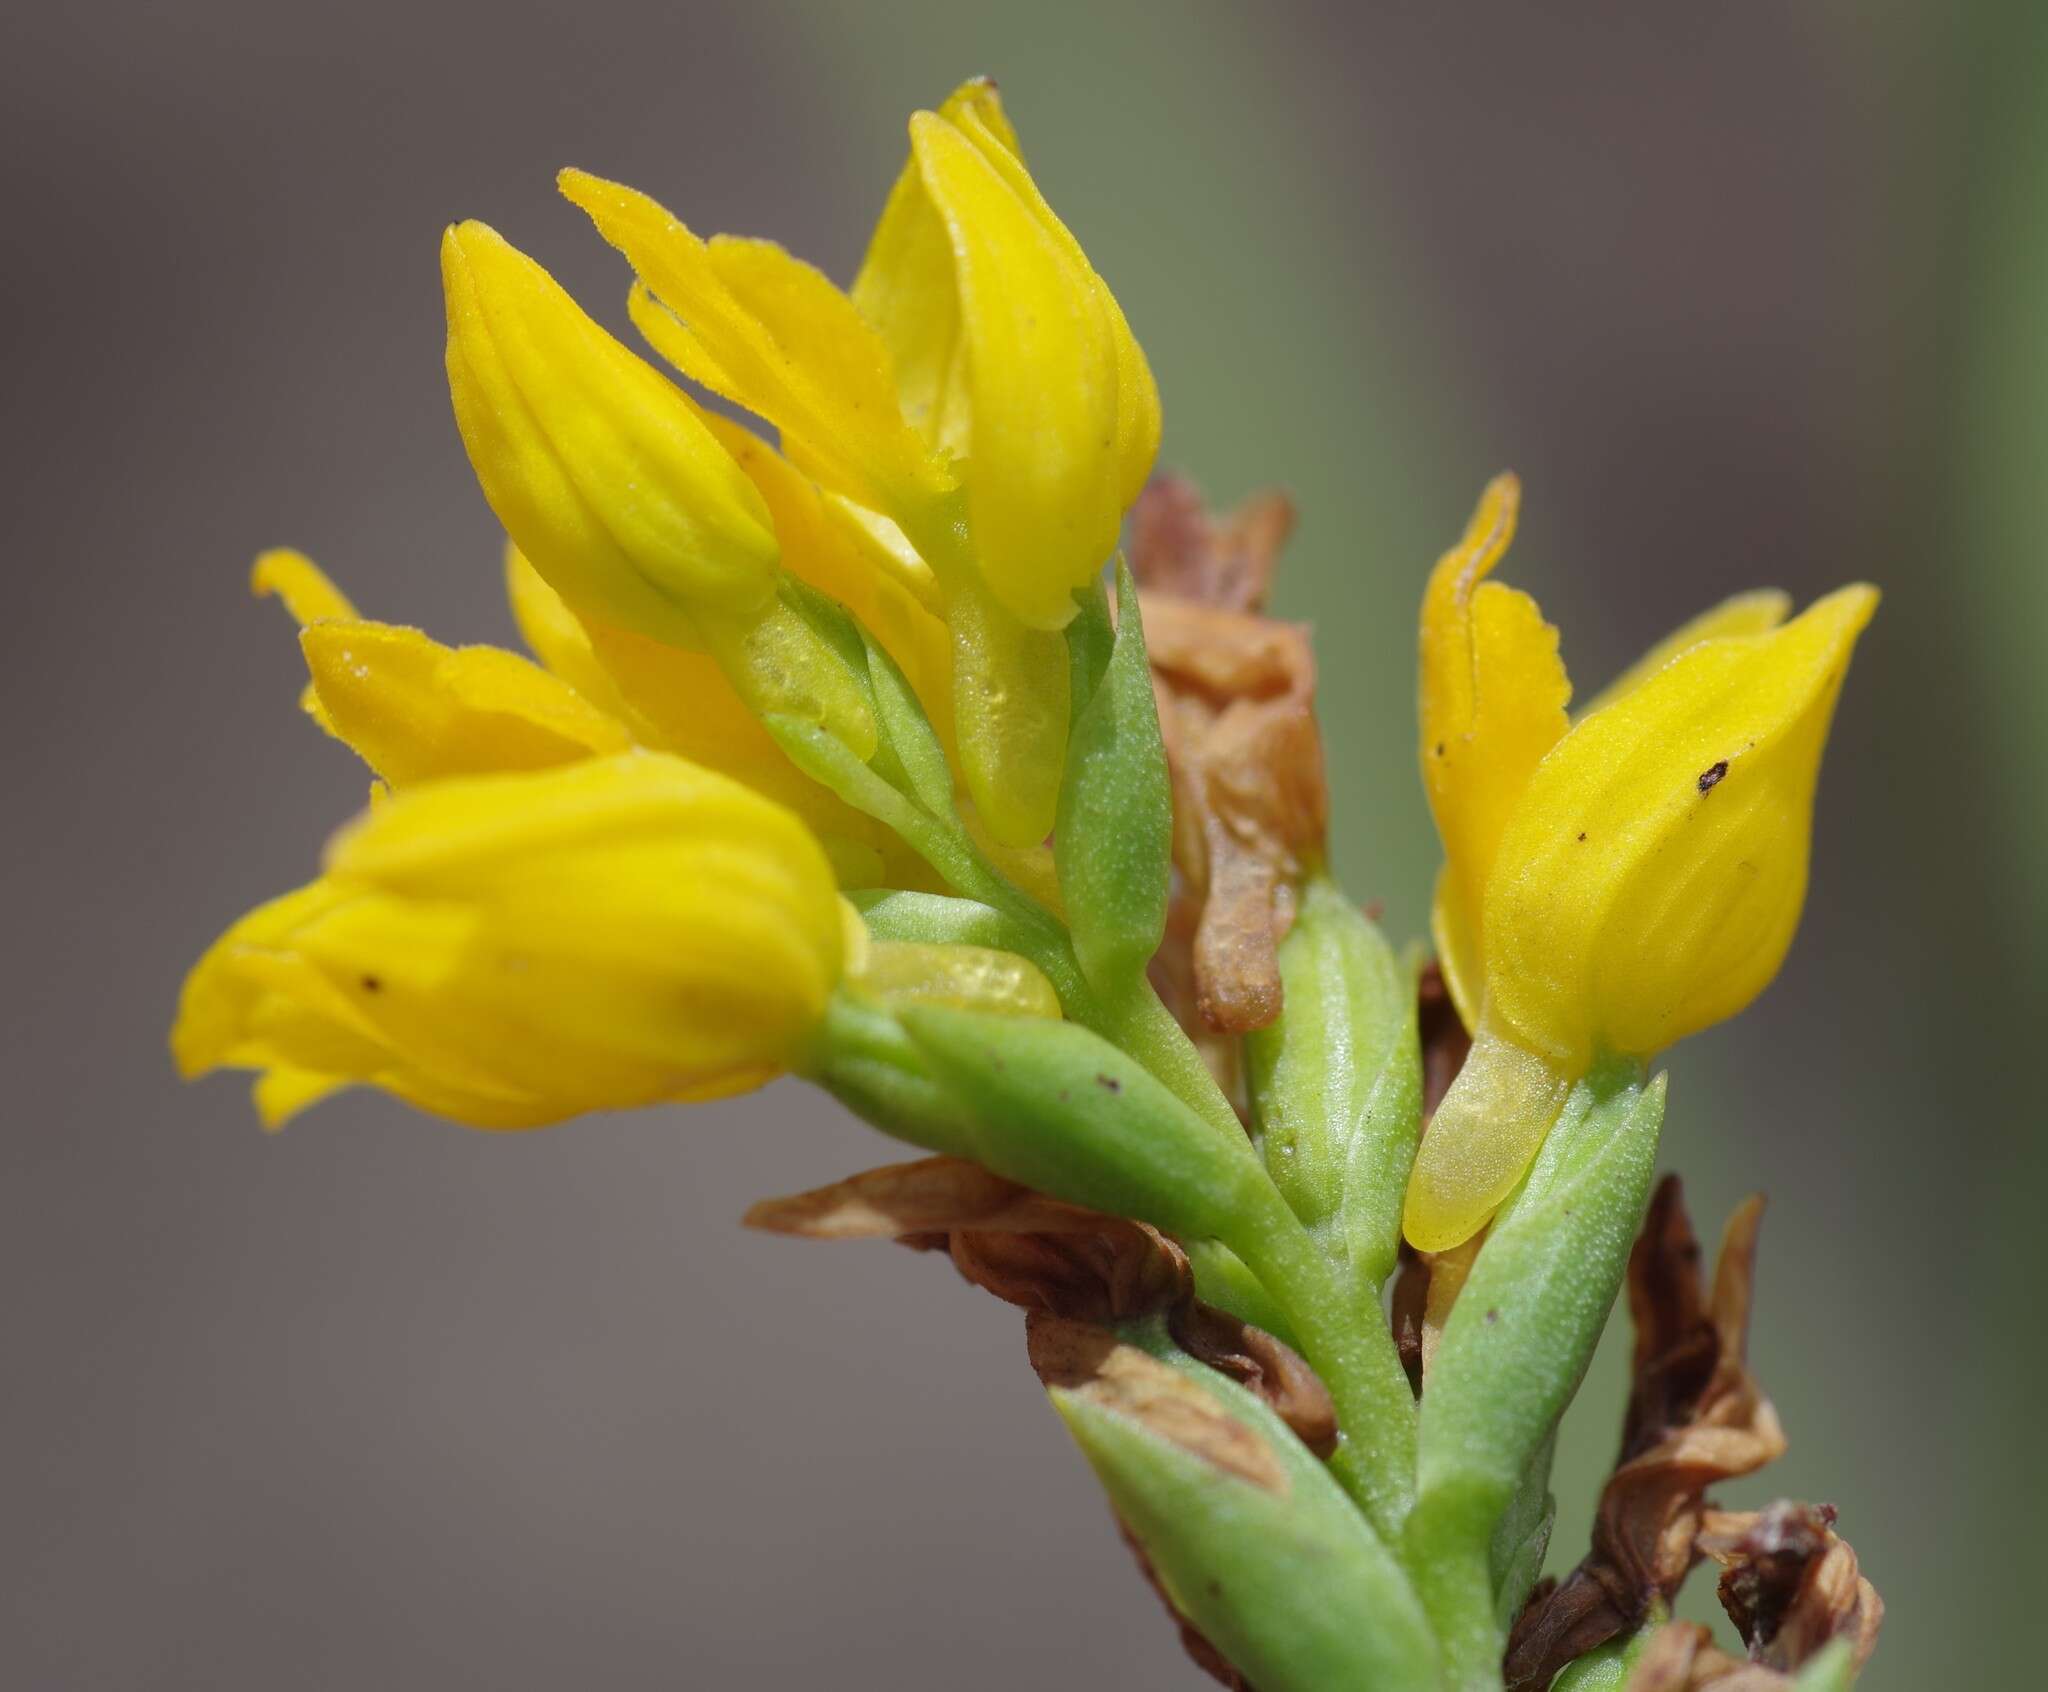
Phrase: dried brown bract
(1236, 695)
(1791, 1584)
(1696, 1417)
(1060, 1260)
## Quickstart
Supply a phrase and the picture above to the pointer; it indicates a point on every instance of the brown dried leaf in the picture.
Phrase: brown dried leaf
(1052, 1258)
(932, 1195)
(1791, 1584)
(1178, 548)
(1091, 1362)
(1696, 1416)
(1681, 1657)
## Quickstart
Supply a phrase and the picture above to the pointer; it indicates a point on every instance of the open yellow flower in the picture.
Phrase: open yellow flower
(977, 409)
(1613, 885)
(510, 950)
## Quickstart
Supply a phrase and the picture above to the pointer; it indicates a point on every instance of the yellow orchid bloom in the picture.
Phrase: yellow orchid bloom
(978, 409)
(1611, 885)
(510, 950)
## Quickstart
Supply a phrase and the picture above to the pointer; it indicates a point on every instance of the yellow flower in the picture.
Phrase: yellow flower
(1613, 885)
(509, 950)
(978, 410)
(415, 710)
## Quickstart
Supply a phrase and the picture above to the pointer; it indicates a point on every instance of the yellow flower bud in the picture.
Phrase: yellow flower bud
(979, 978)
(1012, 357)
(604, 474)
(1612, 886)
(511, 950)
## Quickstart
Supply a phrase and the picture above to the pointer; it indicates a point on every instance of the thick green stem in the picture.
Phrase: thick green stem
(1453, 1575)
(1347, 1342)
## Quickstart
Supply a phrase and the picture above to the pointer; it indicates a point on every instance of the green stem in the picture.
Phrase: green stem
(1137, 1022)
(1347, 1342)
(1452, 1575)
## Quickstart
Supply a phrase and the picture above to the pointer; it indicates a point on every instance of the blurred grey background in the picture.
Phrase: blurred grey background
(1746, 294)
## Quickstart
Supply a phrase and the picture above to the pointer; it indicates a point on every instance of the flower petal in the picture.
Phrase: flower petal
(1756, 612)
(598, 467)
(415, 710)
(1652, 878)
(1493, 695)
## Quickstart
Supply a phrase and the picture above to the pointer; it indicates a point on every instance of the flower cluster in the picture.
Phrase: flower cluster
(833, 756)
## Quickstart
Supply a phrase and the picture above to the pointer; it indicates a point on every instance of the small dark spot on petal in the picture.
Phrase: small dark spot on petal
(373, 984)
(1582, 834)
(1439, 748)
(1711, 778)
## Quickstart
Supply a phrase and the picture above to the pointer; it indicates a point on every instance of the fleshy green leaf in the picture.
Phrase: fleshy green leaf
(1113, 839)
(1520, 1337)
(1336, 1083)
(908, 733)
(1062, 1110)
(1269, 1560)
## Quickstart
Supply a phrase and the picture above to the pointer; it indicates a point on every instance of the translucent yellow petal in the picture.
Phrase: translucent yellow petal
(304, 587)
(1652, 878)
(782, 667)
(1492, 703)
(966, 977)
(1044, 482)
(415, 710)
(772, 335)
(1756, 612)
(1485, 1132)
(600, 469)
(1011, 705)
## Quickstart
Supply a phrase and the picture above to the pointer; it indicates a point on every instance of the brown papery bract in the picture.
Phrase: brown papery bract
(1236, 693)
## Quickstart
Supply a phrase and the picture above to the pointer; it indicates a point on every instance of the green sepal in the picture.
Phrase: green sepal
(1523, 1538)
(1523, 1330)
(1606, 1668)
(1519, 1340)
(862, 1057)
(1336, 1083)
(934, 919)
(1830, 1669)
(830, 762)
(1222, 1279)
(908, 733)
(1060, 1109)
(1112, 843)
(1290, 1584)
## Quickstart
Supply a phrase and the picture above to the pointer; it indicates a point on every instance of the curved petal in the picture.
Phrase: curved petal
(1492, 703)
(1652, 878)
